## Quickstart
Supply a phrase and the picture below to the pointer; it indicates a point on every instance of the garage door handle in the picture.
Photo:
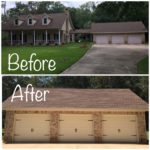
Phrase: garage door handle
(104, 135)
(132, 120)
(90, 135)
(61, 135)
(133, 135)
(18, 119)
(16, 134)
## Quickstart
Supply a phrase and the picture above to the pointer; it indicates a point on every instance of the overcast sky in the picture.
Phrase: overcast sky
(77, 3)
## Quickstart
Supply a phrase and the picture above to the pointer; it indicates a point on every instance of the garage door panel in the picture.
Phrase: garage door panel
(119, 128)
(76, 128)
(101, 39)
(118, 39)
(134, 39)
(32, 128)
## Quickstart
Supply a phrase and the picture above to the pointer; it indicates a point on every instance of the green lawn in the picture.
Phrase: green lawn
(143, 66)
(64, 56)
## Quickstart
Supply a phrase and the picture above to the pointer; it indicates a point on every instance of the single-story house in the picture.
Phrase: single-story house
(37, 29)
(77, 115)
(119, 33)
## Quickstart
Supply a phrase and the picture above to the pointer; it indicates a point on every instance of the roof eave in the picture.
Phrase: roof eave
(118, 32)
(79, 109)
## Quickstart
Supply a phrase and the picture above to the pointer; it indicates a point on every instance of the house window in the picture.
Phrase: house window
(45, 20)
(30, 21)
(16, 22)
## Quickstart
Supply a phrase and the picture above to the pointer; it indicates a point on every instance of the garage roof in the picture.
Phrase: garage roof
(118, 27)
(81, 99)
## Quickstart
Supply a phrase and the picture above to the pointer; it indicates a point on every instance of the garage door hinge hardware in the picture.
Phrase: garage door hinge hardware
(61, 135)
(132, 120)
(104, 135)
(90, 120)
(90, 135)
(18, 119)
(47, 120)
(133, 135)
(16, 134)
(61, 120)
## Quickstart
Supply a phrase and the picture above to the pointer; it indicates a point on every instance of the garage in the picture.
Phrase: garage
(76, 128)
(134, 39)
(77, 116)
(118, 39)
(119, 128)
(118, 31)
(101, 39)
(32, 128)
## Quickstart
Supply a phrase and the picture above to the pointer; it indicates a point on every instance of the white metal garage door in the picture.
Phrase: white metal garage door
(119, 128)
(118, 39)
(134, 39)
(32, 128)
(101, 39)
(76, 128)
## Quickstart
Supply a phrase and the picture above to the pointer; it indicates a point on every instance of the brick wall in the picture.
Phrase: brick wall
(9, 125)
(54, 123)
(142, 127)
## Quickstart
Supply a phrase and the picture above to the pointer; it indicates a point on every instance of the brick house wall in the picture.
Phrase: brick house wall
(54, 124)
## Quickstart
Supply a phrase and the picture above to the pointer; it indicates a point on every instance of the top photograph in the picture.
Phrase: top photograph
(70, 37)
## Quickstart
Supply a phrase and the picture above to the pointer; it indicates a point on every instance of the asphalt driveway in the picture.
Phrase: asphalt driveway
(109, 59)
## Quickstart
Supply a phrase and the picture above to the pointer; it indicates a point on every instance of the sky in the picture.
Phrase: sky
(11, 4)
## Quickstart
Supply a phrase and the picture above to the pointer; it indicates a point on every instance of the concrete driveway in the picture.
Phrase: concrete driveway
(76, 146)
(109, 59)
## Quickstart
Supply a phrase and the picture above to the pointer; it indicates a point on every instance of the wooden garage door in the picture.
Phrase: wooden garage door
(119, 128)
(32, 128)
(76, 128)
(118, 39)
(134, 39)
(101, 39)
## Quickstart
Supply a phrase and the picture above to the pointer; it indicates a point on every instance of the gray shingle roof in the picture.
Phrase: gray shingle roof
(118, 27)
(57, 20)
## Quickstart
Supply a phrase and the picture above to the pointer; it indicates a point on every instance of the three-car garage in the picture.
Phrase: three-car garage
(119, 33)
(119, 39)
(79, 128)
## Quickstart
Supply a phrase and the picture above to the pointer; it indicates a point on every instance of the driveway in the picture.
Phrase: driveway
(77, 146)
(109, 59)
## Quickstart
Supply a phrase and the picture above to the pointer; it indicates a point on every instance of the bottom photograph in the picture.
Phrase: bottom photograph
(75, 109)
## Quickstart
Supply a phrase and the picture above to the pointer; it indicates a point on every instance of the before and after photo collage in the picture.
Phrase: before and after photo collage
(75, 74)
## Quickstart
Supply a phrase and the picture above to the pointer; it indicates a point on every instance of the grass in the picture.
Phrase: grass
(64, 56)
(143, 66)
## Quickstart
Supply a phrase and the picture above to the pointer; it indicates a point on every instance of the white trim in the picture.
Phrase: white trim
(22, 38)
(59, 37)
(34, 36)
(46, 36)
(11, 40)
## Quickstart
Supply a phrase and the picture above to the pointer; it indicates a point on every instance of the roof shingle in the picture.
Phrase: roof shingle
(57, 20)
(82, 99)
(118, 27)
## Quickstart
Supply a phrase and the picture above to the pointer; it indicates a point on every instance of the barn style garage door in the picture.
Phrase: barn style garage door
(76, 128)
(101, 39)
(118, 39)
(134, 39)
(119, 128)
(32, 128)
